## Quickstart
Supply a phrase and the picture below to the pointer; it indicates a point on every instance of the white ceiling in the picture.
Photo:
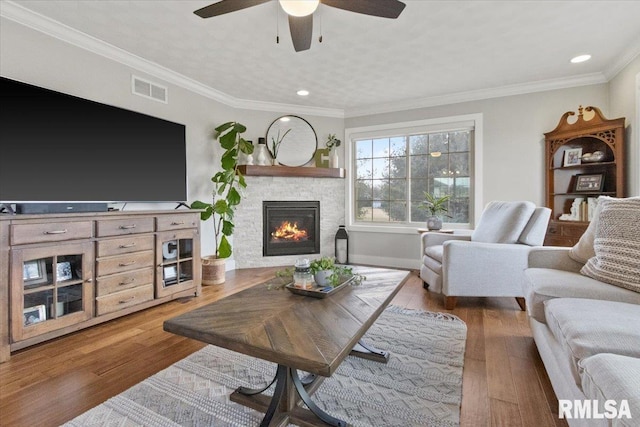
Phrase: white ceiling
(434, 50)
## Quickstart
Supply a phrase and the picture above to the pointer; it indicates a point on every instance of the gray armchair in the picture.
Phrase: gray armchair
(488, 262)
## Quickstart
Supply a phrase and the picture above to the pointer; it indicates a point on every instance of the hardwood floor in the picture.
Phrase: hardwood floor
(504, 381)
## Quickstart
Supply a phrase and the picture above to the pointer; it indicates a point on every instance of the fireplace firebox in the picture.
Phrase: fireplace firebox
(290, 227)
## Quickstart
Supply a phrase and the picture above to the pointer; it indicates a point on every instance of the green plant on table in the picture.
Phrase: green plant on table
(435, 205)
(338, 272)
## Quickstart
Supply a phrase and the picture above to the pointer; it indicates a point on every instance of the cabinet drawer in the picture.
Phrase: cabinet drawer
(124, 245)
(123, 299)
(118, 227)
(573, 230)
(174, 222)
(106, 285)
(122, 263)
(50, 232)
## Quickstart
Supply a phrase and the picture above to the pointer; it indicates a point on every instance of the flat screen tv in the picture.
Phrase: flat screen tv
(60, 148)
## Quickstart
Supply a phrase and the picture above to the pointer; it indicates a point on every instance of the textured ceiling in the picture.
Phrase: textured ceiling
(434, 48)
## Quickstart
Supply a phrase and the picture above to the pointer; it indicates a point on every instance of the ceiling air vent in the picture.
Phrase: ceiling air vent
(142, 87)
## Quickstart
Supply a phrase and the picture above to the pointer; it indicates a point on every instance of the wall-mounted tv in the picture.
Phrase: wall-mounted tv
(60, 148)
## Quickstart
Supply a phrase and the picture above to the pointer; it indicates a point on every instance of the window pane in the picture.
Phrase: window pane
(398, 189)
(364, 190)
(418, 212)
(379, 214)
(364, 211)
(419, 167)
(459, 211)
(397, 211)
(459, 141)
(461, 188)
(364, 149)
(381, 147)
(398, 147)
(419, 144)
(459, 164)
(439, 142)
(364, 169)
(439, 166)
(380, 168)
(398, 167)
(418, 188)
(380, 189)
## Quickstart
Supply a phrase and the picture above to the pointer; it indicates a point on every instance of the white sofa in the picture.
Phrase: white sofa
(587, 331)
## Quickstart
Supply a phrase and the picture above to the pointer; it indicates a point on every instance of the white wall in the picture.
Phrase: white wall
(623, 90)
(513, 142)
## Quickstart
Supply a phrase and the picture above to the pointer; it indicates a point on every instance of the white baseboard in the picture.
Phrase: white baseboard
(404, 263)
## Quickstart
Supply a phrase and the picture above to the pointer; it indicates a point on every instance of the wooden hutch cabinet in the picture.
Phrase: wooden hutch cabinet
(63, 272)
(571, 176)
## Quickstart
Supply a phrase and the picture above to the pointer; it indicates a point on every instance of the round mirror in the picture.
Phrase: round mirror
(298, 140)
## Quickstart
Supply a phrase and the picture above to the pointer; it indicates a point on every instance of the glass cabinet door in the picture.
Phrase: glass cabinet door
(52, 290)
(175, 255)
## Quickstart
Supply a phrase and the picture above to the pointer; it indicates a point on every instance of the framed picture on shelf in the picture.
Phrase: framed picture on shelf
(34, 272)
(35, 314)
(63, 271)
(572, 156)
(589, 182)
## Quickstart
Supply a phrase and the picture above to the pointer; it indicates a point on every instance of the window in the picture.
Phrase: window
(393, 166)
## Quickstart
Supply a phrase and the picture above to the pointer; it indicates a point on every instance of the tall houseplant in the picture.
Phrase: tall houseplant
(225, 198)
(435, 206)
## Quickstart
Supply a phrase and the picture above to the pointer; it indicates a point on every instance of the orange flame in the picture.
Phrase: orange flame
(288, 231)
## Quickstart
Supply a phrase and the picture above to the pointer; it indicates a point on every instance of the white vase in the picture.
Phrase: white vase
(322, 277)
(333, 159)
(262, 158)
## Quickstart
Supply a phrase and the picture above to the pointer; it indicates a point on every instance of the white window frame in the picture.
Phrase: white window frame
(418, 126)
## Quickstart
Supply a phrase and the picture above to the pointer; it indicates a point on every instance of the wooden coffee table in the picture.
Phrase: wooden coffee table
(296, 332)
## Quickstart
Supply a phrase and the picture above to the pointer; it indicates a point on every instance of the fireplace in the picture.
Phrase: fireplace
(290, 228)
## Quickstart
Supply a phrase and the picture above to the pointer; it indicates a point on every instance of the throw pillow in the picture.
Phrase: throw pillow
(617, 245)
(583, 250)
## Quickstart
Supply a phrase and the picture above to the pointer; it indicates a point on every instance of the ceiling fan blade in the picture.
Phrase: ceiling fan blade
(381, 8)
(226, 6)
(301, 28)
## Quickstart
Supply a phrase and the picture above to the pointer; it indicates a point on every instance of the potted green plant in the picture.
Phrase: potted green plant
(435, 206)
(225, 199)
(327, 273)
(275, 146)
(333, 142)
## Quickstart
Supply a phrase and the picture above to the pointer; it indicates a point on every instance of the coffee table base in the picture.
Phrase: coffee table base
(283, 407)
(367, 351)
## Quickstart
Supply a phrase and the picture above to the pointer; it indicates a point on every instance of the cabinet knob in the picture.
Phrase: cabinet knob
(89, 281)
(177, 223)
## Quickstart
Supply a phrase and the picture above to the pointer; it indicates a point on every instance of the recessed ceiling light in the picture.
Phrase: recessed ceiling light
(580, 58)
(303, 92)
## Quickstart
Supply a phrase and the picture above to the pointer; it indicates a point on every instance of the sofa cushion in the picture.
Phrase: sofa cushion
(585, 327)
(617, 245)
(543, 284)
(535, 230)
(503, 222)
(583, 250)
(613, 377)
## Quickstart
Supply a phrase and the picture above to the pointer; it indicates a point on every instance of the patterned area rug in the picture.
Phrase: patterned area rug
(420, 386)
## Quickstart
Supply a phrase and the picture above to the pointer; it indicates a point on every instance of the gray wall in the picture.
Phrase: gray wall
(624, 90)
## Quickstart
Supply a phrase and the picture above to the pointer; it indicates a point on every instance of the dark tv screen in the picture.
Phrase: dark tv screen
(60, 148)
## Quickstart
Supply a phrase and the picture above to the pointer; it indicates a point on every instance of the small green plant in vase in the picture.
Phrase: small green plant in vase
(435, 206)
(275, 145)
(327, 273)
(333, 142)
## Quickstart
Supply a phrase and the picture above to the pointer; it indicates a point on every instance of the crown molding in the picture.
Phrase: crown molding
(477, 95)
(53, 28)
(622, 61)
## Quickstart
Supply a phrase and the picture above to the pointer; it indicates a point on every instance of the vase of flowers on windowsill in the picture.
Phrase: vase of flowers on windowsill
(435, 206)
(333, 142)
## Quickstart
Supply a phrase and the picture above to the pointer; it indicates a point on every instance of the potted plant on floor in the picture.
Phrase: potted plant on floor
(435, 206)
(226, 197)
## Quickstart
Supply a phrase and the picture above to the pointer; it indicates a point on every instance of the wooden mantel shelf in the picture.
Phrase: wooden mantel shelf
(287, 171)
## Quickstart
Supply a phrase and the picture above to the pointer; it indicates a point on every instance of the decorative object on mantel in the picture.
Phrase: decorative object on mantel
(275, 145)
(321, 157)
(435, 206)
(333, 142)
(226, 197)
(262, 157)
(298, 148)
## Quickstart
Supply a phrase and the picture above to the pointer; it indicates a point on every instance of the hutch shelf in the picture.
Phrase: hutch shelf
(572, 180)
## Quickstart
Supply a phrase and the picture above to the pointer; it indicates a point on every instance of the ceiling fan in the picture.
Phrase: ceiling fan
(300, 13)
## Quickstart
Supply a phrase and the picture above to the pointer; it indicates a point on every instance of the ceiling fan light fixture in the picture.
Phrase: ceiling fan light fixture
(299, 7)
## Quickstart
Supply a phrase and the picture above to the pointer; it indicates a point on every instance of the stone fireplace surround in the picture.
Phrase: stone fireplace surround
(247, 238)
